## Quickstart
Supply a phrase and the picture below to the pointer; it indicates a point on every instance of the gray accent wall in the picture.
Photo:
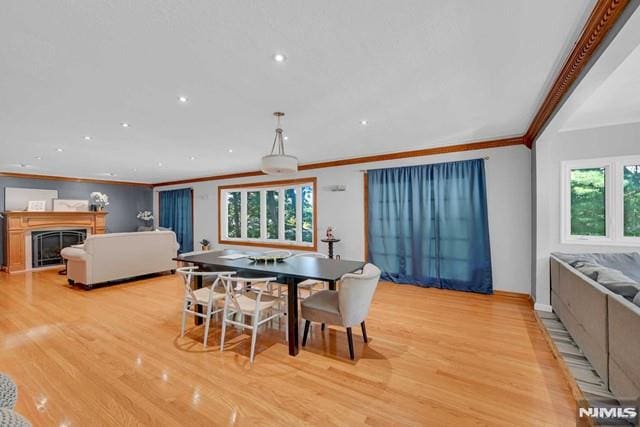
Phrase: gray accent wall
(124, 200)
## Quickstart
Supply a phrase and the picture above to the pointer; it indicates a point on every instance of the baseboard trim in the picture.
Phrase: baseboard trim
(542, 307)
(511, 294)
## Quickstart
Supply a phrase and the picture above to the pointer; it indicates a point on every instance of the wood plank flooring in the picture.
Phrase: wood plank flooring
(113, 356)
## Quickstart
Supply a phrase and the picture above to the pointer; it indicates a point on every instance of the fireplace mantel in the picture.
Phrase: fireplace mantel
(18, 223)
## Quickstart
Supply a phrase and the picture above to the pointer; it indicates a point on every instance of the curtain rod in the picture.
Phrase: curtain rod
(483, 158)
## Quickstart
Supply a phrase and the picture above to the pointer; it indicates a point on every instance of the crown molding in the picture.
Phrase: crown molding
(71, 179)
(495, 143)
(604, 15)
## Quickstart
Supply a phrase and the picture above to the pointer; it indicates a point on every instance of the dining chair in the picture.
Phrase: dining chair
(309, 284)
(251, 302)
(274, 287)
(206, 297)
(347, 307)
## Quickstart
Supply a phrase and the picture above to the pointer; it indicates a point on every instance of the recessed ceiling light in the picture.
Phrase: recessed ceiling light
(59, 150)
(279, 57)
(230, 150)
(87, 138)
(192, 158)
(125, 125)
(364, 122)
(286, 138)
(183, 99)
(160, 164)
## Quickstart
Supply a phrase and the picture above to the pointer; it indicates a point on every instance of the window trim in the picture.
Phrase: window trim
(259, 242)
(614, 201)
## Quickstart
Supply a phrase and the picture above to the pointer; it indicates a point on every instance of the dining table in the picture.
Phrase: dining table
(289, 271)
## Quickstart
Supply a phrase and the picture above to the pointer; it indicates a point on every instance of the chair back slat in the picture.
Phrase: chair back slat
(188, 273)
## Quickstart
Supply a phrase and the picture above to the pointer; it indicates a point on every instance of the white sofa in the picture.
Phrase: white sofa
(107, 257)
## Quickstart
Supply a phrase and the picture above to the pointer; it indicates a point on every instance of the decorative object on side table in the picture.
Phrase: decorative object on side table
(99, 200)
(146, 217)
(330, 239)
(205, 244)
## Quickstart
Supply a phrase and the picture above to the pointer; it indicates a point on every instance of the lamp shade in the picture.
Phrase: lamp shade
(278, 164)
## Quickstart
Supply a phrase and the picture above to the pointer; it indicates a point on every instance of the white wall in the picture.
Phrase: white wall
(509, 202)
(551, 151)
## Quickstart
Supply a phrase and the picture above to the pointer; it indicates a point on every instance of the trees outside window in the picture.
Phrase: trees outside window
(601, 201)
(273, 214)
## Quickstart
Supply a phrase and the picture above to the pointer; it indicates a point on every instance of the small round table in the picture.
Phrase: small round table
(330, 242)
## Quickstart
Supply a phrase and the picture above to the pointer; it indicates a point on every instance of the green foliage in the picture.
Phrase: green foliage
(632, 201)
(307, 214)
(291, 197)
(588, 202)
(290, 214)
(253, 214)
(233, 215)
(272, 214)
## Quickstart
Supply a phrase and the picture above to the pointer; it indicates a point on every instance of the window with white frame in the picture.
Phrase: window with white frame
(601, 201)
(272, 214)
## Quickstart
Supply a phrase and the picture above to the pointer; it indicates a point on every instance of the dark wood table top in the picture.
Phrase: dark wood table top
(298, 267)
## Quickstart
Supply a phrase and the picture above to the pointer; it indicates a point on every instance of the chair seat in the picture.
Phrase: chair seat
(202, 295)
(248, 302)
(309, 283)
(322, 307)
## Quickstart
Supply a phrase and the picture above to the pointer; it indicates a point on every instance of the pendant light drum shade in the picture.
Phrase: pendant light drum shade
(278, 162)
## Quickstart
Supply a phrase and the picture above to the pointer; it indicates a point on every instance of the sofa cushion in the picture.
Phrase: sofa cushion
(636, 300)
(614, 280)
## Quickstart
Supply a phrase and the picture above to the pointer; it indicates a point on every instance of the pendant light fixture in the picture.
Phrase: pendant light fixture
(278, 162)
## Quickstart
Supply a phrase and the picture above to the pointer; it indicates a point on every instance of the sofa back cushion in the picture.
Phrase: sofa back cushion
(612, 279)
(119, 255)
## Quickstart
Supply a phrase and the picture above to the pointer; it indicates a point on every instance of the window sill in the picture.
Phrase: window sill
(603, 242)
(302, 247)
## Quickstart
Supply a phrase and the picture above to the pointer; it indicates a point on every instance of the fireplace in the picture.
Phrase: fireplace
(46, 245)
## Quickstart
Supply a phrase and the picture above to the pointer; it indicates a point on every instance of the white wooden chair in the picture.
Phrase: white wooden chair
(310, 284)
(207, 297)
(254, 303)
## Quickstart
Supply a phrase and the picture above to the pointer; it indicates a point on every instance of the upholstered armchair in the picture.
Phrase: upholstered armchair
(347, 307)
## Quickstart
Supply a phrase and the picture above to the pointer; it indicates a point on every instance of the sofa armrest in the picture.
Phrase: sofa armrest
(75, 254)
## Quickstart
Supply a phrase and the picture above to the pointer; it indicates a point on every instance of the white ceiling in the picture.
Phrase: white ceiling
(616, 101)
(423, 73)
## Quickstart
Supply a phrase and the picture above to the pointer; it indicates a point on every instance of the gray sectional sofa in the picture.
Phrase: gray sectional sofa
(597, 297)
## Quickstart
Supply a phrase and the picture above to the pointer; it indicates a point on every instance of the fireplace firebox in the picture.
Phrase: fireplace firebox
(46, 245)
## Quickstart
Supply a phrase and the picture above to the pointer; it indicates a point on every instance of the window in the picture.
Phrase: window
(272, 214)
(601, 201)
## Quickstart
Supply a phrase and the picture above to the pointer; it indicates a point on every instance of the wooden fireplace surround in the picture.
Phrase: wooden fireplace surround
(18, 223)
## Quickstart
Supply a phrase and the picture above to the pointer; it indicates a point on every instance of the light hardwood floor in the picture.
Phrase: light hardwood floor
(113, 356)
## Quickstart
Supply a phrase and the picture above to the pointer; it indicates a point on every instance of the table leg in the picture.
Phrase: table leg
(332, 285)
(198, 285)
(292, 316)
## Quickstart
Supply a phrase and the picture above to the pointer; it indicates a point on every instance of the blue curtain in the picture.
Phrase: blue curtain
(176, 213)
(428, 225)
